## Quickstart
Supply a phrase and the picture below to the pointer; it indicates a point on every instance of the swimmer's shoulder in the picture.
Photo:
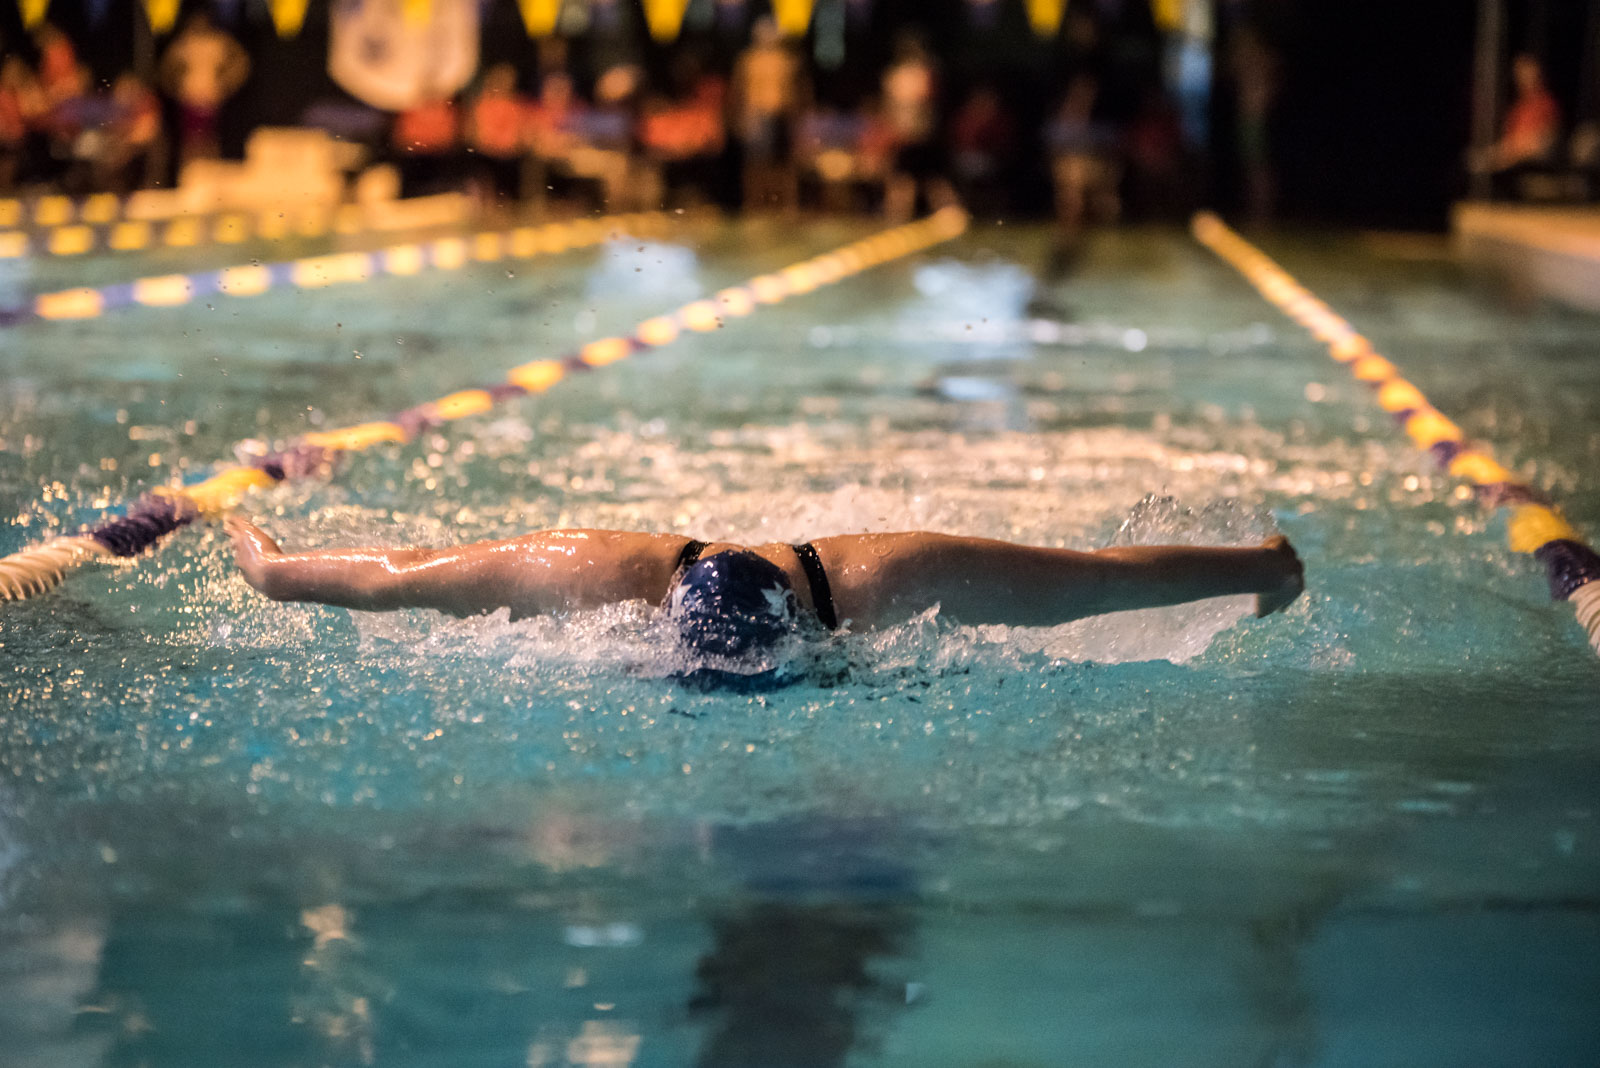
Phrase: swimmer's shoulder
(583, 567)
(593, 539)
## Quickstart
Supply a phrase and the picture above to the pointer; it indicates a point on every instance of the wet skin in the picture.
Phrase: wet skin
(876, 579)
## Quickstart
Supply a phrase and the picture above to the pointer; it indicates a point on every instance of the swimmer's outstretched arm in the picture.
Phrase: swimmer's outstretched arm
(548, 571)
(884, 578)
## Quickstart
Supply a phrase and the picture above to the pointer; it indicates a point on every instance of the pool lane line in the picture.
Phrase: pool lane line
(98, 209)
(162, 511)
(335, 268)
(57, 210)
(230, 227)
(1534, 524)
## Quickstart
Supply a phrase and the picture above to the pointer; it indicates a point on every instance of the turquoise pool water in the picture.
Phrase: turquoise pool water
(1362, 833)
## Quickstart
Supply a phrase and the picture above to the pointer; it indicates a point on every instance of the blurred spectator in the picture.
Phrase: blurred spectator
(910, 107)
(549, 119)
(1255, 77)
(683, 139)
(844, 154)
(1532, 128)
(494, 133)
(981, 142)
(202, 68)
(1156, 180)
(131, 148)
(766, 102)
(1083, 164)
(68, 112)
(61, 76)
(22, 105)
(573, 143)
(425, 146)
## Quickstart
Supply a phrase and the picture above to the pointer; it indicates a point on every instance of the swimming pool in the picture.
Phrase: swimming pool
(1360, 833)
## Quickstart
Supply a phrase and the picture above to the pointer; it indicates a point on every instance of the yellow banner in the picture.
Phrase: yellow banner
(287, 16)
(1045, 16)
(416, 12)
(539, 17)
(33, 12)
(1168, 14)
(793, 16)
(163, 14)
(665, 17)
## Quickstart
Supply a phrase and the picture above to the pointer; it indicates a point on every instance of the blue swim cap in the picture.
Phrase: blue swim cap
(732, 603)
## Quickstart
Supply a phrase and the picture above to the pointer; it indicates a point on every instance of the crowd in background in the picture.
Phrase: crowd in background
(759, 131)
(60, 130)
(760, 127)
(754, 130)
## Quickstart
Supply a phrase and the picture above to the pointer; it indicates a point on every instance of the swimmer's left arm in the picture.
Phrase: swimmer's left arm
(885, 578)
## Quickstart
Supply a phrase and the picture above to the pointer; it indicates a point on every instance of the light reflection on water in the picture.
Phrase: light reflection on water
(250, 833)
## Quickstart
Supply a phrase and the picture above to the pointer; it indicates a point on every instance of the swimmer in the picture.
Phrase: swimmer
(728, 600)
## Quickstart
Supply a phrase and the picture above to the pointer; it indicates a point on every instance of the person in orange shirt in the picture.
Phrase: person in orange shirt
(683, 138)
(1533, 122)
(425, 145)
(61, 76)
(21, 105)
(494, 133)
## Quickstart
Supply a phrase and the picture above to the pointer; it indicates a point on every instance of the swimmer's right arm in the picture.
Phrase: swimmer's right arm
(369, 578)
(544, 572)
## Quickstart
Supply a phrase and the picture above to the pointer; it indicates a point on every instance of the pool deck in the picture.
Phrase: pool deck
(1552, 251)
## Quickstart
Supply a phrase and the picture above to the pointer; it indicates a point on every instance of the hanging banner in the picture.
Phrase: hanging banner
(163, 15)
(33, 12)
(539, 17)
(382, 58)
(793, 16)
(1045, 16)
(287, 16)
(1168, 14)
(665, 18)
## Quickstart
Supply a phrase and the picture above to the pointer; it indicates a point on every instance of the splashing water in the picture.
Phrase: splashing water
(362, 817)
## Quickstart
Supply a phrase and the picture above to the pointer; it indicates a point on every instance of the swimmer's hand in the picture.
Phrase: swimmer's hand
(1288, 573)
(253, 548)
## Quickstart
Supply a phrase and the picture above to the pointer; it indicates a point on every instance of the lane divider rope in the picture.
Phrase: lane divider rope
(156, 514)
(1534, 524)
(231, 227)
(57, 210)
(336, 268)
(99, 209)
